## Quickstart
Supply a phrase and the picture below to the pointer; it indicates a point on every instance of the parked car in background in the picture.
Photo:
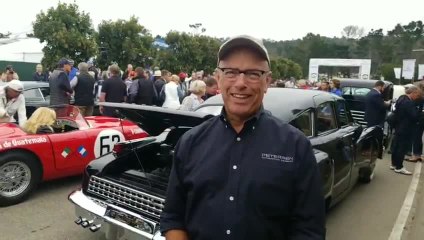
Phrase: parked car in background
(37, 94)
(26, 159)
(123, 193)
(354, 92)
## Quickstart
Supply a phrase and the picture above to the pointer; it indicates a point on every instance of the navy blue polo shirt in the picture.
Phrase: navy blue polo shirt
(262, 183)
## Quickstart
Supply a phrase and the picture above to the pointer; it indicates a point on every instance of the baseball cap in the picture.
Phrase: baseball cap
(16, 85)
(182, 75)
(157, 73)
(243, 41)
(63, 62)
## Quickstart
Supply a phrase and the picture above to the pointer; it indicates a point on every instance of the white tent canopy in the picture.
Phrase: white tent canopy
(21, 50)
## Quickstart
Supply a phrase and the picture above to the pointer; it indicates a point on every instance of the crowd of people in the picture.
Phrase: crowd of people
(332, 85)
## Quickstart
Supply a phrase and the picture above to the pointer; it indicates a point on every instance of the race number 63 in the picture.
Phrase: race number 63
(106, 140)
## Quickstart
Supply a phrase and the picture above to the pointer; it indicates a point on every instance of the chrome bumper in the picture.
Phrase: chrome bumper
(91, 214)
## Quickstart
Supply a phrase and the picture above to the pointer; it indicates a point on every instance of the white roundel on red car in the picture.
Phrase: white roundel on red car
(106, 140)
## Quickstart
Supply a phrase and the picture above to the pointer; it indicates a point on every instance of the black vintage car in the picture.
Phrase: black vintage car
(123, 193)
(354, 92)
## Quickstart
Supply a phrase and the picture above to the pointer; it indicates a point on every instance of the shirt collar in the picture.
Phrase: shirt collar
(251, 120)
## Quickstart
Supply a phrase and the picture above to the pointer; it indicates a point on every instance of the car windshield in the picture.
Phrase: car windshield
(355, 91)
(71, 116)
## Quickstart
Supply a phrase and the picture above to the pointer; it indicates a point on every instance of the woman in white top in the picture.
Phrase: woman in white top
(198, 90)
(172, 99)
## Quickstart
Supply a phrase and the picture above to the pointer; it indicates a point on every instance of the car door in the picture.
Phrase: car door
(71, 149)
(335, 141)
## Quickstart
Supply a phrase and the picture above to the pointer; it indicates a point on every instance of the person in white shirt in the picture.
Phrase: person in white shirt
(198, 90)
(172, 99)
(12, 102)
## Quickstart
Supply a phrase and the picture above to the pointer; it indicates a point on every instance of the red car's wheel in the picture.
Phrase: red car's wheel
(20, 173)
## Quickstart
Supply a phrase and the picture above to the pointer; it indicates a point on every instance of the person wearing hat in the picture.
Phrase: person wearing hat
(60, 87)
(264, 181)
(12, 102)
(73, 72)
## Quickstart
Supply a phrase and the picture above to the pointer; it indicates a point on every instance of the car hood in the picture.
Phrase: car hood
(154, 120)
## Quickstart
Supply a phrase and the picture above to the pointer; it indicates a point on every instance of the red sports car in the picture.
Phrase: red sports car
(26, 159)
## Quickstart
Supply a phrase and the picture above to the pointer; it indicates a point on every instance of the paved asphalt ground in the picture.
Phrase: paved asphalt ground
(369, 212)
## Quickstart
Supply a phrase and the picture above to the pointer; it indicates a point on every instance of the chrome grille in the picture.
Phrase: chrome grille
(359, 117)
(126, 196)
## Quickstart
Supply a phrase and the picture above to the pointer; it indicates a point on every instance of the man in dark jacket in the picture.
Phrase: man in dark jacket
(84, 87)
(60, 88)
(249, 189)
(113, 90)
(141, 91)
(406, 121)
(375, 107)
(39, 75)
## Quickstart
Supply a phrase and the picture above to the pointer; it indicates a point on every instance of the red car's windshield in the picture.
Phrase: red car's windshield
(71, 113)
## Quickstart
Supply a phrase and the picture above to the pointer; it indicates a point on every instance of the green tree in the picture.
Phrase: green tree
(67, 32)
(188, 52)
(124, 42)
(285, 68)
(386, 70)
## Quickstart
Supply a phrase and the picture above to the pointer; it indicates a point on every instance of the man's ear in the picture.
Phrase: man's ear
(268, 81)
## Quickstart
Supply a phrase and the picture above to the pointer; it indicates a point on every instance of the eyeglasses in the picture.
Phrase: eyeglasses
(231, 74)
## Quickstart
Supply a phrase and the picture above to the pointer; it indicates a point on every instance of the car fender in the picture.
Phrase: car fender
(375, 132)
(37, 145)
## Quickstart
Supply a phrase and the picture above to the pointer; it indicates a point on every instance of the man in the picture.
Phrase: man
(84, 90)
(74, 71)
(60, 88)
(325, 86)
(9, 74)
(211, 88)
(142, 90)
(182, 87)
(242, 191)
(92, 68)
(39, 75)
(12, 102)
(375, 106)
(127, 74)
(407, 119)
(161, 78)
(113, 90)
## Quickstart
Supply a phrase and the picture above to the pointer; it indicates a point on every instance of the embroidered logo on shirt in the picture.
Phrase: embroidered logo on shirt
(274, 157)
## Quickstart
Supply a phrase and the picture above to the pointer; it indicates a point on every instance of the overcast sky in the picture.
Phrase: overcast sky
(273, 19)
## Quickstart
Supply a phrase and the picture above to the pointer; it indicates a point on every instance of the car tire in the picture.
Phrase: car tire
(366, 175)
(20, 174)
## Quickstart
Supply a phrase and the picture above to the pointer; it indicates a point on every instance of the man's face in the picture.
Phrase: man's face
(9, 76)
(67, 68)
(325, 86)
(212, 89)
(12, 93)
(243, 96)
(129, 67)
(39, 68)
